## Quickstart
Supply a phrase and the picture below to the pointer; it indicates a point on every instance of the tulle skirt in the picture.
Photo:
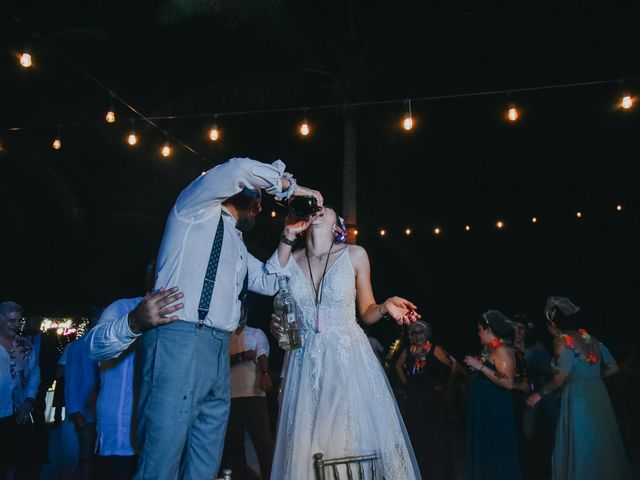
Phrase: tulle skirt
(337, 401)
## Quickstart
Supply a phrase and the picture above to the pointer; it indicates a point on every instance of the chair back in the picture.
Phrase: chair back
(356, 467)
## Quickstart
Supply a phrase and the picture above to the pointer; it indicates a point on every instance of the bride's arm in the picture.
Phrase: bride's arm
(292, 228)
(400, 309)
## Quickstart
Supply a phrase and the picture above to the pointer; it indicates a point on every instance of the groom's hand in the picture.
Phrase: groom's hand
(301, 191)
(155, 310)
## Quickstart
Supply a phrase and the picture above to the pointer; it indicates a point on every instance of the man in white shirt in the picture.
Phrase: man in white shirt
(250, 379)
(184, 393)
(108, 345)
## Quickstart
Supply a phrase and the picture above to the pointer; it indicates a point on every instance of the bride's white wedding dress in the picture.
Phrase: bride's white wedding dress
(337, 400)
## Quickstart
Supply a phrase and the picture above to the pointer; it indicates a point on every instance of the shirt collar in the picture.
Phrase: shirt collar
(225, 212)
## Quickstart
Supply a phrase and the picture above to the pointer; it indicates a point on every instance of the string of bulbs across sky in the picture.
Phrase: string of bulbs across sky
(438, 230)
(625, 102)
(512, 113)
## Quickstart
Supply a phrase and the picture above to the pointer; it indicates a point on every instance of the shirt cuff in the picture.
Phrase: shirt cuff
(123, 331)
(276, 189)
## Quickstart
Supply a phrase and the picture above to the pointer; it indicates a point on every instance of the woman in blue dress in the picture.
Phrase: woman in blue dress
(588, 444)
(492, 444)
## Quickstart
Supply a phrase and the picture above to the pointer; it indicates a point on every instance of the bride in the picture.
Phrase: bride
(336, 399)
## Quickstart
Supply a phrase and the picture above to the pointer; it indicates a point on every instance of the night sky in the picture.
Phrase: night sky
(79, 225)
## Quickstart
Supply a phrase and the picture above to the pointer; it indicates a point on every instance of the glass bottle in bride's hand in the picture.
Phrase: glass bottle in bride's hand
(284, 307)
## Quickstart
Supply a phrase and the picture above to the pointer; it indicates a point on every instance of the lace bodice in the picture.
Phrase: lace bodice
(337, 309)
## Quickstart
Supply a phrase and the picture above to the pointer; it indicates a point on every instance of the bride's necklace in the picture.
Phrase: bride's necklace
(318, 291)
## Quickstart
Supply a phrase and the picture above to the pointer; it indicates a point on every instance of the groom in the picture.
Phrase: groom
(184, 393)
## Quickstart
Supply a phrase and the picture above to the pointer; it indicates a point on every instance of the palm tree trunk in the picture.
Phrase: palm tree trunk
(350, 174)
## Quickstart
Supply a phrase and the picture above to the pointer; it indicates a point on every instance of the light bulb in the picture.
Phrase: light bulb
(110, 116)
(166, 150)
(626, 102)
(579, 214)
(467, 228)
(513, 114)
(619, 207)
(214, 134)
(355, 232)
(437, 230)
(25, 60)
(499, 224)
(407, 231)
(407, 123)
(57, 144)
(273, 214)
(534, 220)
(132, 139)
(383, 232)
(305, 129)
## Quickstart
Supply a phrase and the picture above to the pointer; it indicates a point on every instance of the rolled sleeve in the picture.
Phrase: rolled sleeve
(273, 266)
(112, 335)
(224, 181)
(261, 280)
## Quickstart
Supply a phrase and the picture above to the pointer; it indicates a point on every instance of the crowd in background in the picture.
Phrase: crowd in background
(532, 404)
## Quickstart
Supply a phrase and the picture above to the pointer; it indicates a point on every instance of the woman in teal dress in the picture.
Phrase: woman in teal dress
(588, 444)
(492, 444)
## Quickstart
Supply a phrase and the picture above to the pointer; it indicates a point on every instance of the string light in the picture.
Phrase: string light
(579, 214)
(383, 232)
(437, 230)
(214, 133)
(355, 232)
(513, 114)
(110, 117)
(626, 102)
(132, 138)
(304, 129)
(499, 224)
(407, 122)
(619, 207)
(25, 60)
(57, 142)
(534, 220)
(467, 228)
(273, 214)
(407, 231)
(166, 150)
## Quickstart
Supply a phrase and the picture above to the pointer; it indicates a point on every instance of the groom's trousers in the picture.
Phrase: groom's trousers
(183, 402)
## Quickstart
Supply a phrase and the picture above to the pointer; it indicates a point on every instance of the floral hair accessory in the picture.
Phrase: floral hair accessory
(340, 231)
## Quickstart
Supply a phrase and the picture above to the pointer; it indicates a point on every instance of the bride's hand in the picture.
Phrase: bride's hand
(294, 226)
(402, 310)
(275, 327)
